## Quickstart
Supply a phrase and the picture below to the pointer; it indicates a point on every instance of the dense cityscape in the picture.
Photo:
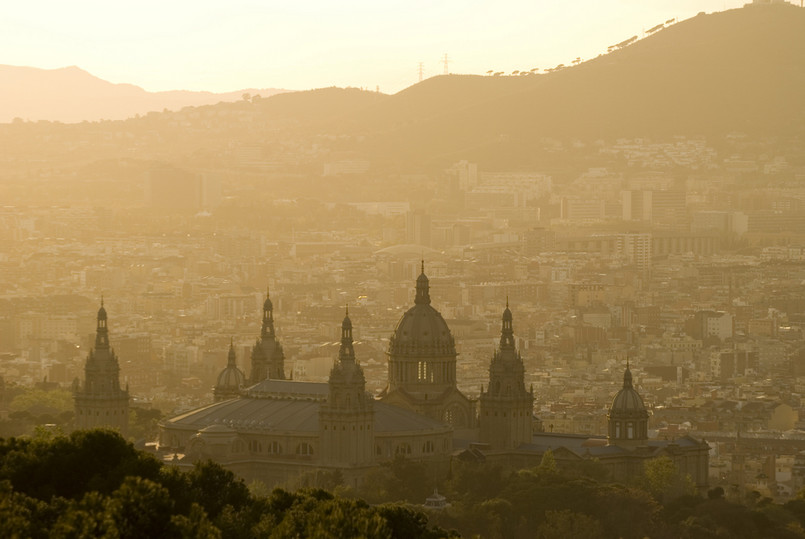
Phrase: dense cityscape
(245, 282)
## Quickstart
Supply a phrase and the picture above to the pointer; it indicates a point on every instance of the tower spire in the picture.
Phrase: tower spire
(422, 287)
(627, 375)
(268, 316)
(102, 330)
(507, 329)
(231, 359)
(347, 351)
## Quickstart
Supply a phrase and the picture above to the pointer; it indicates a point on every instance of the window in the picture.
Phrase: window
(274, 448)
(427, 447)
(304, 449)
(403, 449)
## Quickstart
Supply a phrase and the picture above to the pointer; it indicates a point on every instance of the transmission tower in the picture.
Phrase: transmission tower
(421, 71)
(446, 61)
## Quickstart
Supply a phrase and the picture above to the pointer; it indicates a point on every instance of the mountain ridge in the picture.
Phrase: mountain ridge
(740, 70)
(26, 93)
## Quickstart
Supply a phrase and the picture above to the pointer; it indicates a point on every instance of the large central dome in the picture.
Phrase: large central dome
(422, 331)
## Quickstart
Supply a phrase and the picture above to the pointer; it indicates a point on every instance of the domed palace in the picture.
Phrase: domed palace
(275, 430)
(278, 430)
(422, 364)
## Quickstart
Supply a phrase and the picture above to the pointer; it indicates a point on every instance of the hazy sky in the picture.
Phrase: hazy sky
(300, 44)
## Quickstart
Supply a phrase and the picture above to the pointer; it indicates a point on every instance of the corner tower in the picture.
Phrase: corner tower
(506, 406)
(346, 418)
(422, 364)
(268, 359)
(99, 401)
(627, 419)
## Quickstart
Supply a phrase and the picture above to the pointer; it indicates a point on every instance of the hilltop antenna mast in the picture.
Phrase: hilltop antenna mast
(446, 61)
(421, 71)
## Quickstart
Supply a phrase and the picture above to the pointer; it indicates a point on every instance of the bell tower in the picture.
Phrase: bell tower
(346, 419)
(506, 406)
(99, 401)
(268, 359)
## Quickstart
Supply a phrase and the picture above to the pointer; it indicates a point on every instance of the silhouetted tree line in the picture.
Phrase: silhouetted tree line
(551, 501)
(95, 484)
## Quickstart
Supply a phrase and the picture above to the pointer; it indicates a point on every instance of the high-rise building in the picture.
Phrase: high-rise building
(418, 228)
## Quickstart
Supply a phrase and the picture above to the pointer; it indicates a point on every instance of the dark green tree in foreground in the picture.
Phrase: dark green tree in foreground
(95, 484)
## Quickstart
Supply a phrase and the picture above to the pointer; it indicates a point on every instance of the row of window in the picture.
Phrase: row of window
(404, 448)
(630, 430)
(344, 427)
(303, 449)
(97, 413)
(515, 414)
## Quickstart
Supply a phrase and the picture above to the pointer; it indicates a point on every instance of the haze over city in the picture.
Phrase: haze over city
(275, 271)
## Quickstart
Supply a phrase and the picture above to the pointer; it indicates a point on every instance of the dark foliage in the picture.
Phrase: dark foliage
(94, 483)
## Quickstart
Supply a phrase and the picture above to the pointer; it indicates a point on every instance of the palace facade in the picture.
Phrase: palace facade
(275, 430)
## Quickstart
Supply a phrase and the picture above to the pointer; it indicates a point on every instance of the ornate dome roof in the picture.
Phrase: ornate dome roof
(422, 331)
(231, 377)
(628, 401)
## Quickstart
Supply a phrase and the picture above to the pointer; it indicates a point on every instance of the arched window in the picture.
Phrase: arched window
(427, 447)
(304, 449)
(403, 449)
(629, 430)
(274, 448)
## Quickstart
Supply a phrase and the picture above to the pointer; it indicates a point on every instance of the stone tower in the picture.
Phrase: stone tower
(268, 359)
(231, 379)
(346, 419)
(506, 406)
(627, 419)
(99, 401)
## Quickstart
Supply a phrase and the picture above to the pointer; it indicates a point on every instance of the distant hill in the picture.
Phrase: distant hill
(70, 94)
(739, 70)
